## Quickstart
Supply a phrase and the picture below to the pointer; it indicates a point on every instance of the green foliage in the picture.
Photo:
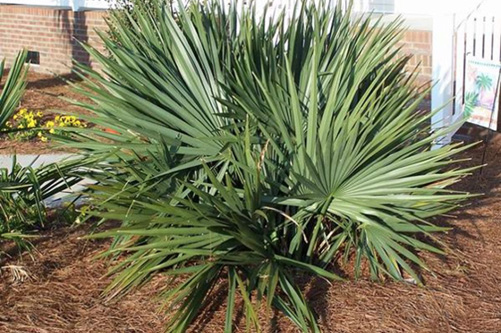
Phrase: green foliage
(23, 190)
(256, 150)
(13, 87)
(126, 12)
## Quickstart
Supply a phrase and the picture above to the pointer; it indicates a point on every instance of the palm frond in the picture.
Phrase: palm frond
(254, 149)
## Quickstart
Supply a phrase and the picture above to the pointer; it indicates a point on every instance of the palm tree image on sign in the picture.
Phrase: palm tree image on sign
(481, 90)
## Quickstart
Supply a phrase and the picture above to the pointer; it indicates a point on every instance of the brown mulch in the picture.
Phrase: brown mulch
(63, 288)
(462, 295)
(44, 93)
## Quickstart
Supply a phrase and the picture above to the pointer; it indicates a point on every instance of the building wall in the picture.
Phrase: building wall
(418, 43)
(54, 32)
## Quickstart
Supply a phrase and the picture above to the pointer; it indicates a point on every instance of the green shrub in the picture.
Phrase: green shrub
(13, 88)
(23, 189)
(255, 150)
(23, 192)
(125, 12)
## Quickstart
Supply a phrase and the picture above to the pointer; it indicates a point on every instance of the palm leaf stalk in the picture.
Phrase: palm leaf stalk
(255, 148)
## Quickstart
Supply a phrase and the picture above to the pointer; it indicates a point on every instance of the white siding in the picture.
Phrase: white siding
(382, 6)
(419, 7)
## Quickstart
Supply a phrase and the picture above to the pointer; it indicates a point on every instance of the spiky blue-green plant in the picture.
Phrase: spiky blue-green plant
(253, 149)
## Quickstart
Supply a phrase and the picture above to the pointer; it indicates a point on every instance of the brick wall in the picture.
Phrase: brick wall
(418, 43)
(51, 31)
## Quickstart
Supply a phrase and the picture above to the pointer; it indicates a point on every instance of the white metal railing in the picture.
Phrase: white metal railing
(479, 36)
(75, 5)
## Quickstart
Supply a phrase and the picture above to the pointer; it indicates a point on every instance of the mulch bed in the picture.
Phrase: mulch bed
(44, 93)
(62, 291)
(463, 294)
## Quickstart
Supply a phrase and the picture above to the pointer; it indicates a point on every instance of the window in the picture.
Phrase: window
(33, 58)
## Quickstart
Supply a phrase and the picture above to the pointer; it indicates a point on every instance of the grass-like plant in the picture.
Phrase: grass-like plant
(13, 88)
(256, 149)
(23, 189)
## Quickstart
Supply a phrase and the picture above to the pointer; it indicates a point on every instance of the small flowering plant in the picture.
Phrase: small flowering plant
(66, 121)
(24, 120)
(26, 125)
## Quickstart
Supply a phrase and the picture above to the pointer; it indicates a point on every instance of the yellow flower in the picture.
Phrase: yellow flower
(32, 124)
(61, 124)
(52, 131)
(39, 114)
(20, 126)
(39, 134)
(22, 111)
(43, 138)
(15, 117)
(57, 118)
(49, 124)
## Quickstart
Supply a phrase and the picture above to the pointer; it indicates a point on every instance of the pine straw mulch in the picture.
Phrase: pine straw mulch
(463, 295)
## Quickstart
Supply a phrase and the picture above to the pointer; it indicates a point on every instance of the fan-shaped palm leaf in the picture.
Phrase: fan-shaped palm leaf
(252, 149)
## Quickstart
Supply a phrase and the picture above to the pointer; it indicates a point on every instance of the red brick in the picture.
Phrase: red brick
(52, 32)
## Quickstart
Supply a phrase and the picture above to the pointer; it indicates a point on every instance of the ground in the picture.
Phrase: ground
(463, 294)
(63, 283)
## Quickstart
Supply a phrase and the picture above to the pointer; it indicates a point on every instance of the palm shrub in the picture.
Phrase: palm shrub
(12, 92)
(13, 88)
(24, 192)
(23, 189)
(257, 148)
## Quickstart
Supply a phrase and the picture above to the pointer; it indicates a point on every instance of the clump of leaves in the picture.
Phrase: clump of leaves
(253, 149)
(129, 11)
(13, 88)
(24, 191)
